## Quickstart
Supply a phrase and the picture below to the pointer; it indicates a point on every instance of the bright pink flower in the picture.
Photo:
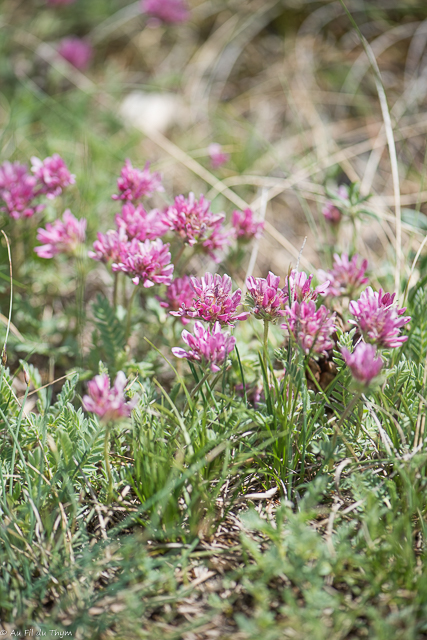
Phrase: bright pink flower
(110, 246)
(213, 300)
(331, 211)
(311, 329)
(265, 297)
(108, 403)
(192, 220)
(52, 174)
(17, 190)
(166, 10)
(147, 262)
(346, 276)
(135, 183)
(363, 363)
(62, 236)
(245, 227)
(217, 156)
(207, 346)
(298, 286)
(76, 51)
(378, 318)
(179, 296)
(141, 225)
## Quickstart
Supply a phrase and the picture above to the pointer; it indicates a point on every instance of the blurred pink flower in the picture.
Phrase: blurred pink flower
(311, 329)
(108, 403)
(265, 297)
(76, 51)
(192, 220)
(331, 211)
(18, 190)
(217, 156)
(217, 240)
(346, 276)
(207, 346)
(135, 183)
(147, 262)
(244, 225)
(298, 285)
(378, 318)
(110, 246)
(141, 225)
(166, 10)
(62, 236)
(179, 295)
(52, 174)
(363, 363)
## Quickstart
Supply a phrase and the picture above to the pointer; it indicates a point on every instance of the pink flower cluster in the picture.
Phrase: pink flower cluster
(135, 184)
(265, 297)
(208, 347)
(346, 276)
(52, 174)
(141, 225)
(62, 236)
(148, 262)
(332, 211)
(364, 363)
(217, 156)
(298, 287)
(109, 404)
(245, 227)
(179, 297)
(166, 10)
(77, 51)
(311, 328)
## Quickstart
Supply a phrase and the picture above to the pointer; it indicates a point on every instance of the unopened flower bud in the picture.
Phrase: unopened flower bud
(26, 377)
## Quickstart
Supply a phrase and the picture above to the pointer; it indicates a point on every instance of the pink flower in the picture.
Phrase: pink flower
(311, 329)
(147, 261)
(134, 183)
(76, 51)
(363, 363)
(298, 286)
(217, 240)
(192, 220)
(331, 212)
(265, 297)
(141, 225)
(346, 276)
(179, 295)
(245, 227)
(166, 10)
(110, 246)
(62, 236)
(213, 300)
(217, 156)
(207, 346)
(17, 190)
(53, 175)
(108, 403)
(378, 318)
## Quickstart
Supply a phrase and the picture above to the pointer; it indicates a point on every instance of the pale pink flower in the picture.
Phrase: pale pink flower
(179, 296)
(378, 318)
(265, 297)
(298, 287)
(18, 190)
(62, 236)
(76, 51)
(331, 211)
(110, 246)
(364, 363)
(192, 220)
(108, 403)
(217, 156)
(208, 347)
(217, 240)
(135, 183)
(166, 10)
(346, 276)
(52, 175)
(148, 262)
(213, 300)
(141, 225)
(244, 225)
(311, 328)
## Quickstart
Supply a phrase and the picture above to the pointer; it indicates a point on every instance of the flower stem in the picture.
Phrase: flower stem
(129, 315)
(265, 346)
(116, 280)
(107, 463)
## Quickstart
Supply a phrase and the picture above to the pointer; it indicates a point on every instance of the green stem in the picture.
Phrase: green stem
(265, 349)
(107, 463)
(337, 428)
(129, 315)
(116, 280)
(15, 440)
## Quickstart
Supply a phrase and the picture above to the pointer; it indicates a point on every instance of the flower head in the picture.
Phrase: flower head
(209, 347)
(134, 183)
(18, 190)
(52, 174)
(141, 225)
(311, 329)
(110, 246)
(216, 241)
(192, 219)
(62, 236)
(265, 297)
(217, 156)
(76, 51)
(378, 318)
(108, 403)
(346, 276)
(364, 363)
(166, 10)
(298, 286)
(147, 262)
(331, 211)
(245, 227)
(179, 296)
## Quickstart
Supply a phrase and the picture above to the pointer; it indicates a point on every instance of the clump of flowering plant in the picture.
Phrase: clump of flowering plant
(265, 298)
(298, 287)
(311, 328)
(244, 225)
(135, 183)
(166, 10)
(208, 346)
(148, 262)
(364, 363)
(52, 174)
(61, 236)
(76, 51)
(217, 156)
(346, 276)
(178, 298)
